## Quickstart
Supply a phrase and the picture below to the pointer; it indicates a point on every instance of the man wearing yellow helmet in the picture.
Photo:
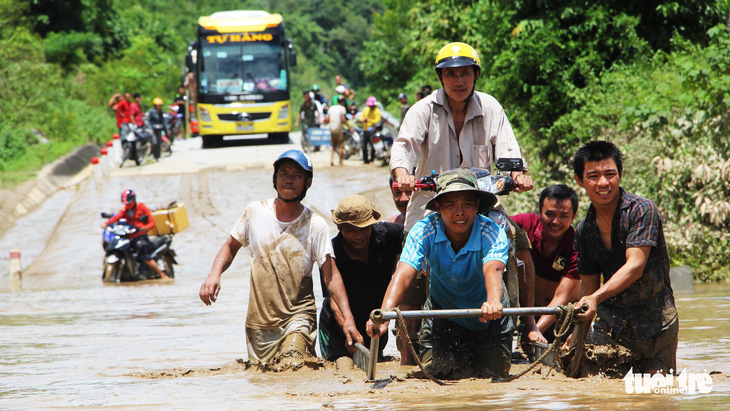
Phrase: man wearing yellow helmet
(455, 126)
(156, 120)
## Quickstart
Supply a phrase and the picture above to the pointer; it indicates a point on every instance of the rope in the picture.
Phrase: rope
(563, 325)
(403, 331)
(579, 343)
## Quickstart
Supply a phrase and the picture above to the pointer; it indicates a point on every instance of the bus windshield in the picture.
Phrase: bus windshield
(248, 67)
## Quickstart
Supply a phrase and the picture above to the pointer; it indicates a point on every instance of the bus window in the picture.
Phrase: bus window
(247, 67)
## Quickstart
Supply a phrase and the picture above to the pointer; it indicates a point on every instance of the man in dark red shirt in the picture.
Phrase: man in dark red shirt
(557, 281)
(135, 110)
(133, 212)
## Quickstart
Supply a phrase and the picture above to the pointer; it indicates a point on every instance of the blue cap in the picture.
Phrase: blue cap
(299, 157)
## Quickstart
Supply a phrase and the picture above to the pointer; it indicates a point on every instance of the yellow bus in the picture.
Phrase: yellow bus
(241, 61)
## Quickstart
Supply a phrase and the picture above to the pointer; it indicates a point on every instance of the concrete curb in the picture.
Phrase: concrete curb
(50, 179)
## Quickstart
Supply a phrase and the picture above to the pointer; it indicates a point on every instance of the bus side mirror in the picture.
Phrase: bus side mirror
(292, 53)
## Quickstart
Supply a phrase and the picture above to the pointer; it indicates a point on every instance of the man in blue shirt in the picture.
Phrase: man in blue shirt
(466, 253)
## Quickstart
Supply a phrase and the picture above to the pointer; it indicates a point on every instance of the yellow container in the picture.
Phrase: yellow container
(170, 220)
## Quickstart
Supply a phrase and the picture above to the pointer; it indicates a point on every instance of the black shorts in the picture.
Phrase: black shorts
(458, 352)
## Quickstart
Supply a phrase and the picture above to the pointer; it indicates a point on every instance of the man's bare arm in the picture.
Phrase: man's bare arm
(566, 292)
(492, 308)
(336, 287)
(631, 271)
(212, 285)
(401, 281)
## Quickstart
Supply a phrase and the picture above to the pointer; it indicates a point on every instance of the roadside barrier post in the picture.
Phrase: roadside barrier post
(117, 149)
(16, 280)
(97, 171)
(112, 155)
(104, 162)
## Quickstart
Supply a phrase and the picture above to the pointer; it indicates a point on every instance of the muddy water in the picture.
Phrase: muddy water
(67, 340)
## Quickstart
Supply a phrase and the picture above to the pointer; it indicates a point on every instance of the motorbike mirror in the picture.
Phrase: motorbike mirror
(509, 164)
(106, 215)
(144, 219)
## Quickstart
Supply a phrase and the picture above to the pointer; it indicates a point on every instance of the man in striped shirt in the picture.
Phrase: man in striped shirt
(466, 253)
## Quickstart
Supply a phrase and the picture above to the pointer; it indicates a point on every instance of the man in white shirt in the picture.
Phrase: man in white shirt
(338, 120)
(285, 239)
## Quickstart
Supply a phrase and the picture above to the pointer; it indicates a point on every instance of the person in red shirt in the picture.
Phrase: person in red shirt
(555, 261)
(133, 212)
(135, 110)
(120, 105)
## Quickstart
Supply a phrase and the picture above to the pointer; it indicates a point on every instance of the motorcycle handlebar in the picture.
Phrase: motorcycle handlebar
(431, 187)
(498, 185)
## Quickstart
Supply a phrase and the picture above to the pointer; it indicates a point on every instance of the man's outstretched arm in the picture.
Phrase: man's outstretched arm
(212, 285)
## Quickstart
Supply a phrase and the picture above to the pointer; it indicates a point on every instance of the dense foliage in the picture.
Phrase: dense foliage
(650, 76)
(61, 60)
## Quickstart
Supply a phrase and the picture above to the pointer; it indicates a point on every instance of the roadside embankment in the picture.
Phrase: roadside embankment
(25, 197)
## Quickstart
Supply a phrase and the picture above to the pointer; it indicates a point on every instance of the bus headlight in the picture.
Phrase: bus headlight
(204, 114)
(284, 112)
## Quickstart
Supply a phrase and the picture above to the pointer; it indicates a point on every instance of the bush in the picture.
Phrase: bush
(72, 49)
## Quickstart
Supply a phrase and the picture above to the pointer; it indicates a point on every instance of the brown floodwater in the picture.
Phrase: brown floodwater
(67, 340)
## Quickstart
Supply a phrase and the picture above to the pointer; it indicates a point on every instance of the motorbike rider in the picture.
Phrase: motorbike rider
(156, 117)
(457, 126)
(370, 118)
(133, 212)
(180, 99)
(318, 96)
(340, 90)
(310, 116)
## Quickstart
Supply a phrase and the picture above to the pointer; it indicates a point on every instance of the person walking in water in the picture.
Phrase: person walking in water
(285, 240)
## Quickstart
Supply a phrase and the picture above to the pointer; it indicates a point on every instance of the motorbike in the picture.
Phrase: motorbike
(121, 262)
(135, 144)
(173, 120)
(382, 143)
(352, 142)
(166, 143)
(499, 184)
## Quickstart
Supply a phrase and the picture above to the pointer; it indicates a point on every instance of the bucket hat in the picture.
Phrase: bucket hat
(357, 211)
(461, 179)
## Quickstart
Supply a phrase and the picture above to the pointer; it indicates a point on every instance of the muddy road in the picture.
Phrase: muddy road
(67, 340)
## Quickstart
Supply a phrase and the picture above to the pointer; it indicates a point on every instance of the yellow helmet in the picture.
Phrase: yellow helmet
(457, 55)
(157, 101)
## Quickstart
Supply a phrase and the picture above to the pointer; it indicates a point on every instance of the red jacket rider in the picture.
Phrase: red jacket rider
(133, 212)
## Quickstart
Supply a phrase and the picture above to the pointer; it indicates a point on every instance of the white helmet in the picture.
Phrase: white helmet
(340, 89)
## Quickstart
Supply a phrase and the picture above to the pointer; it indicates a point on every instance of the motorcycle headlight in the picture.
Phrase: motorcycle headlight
(284, 112)
(204, 114)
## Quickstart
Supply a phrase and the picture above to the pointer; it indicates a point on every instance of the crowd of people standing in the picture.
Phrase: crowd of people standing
(129, 113)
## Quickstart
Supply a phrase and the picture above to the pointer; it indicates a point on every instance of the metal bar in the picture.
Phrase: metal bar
(374, 348)
(381, 316)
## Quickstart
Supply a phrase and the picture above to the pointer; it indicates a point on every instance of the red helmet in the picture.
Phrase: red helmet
(128, 197)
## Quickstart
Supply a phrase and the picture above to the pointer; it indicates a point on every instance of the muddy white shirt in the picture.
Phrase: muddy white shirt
(282, 257)
(427, 141)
